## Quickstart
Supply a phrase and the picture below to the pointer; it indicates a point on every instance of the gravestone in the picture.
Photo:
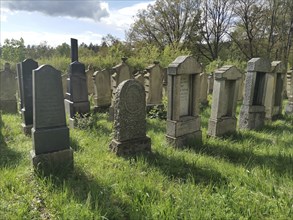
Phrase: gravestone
(289, 106)
(51, 151)
(241, 82)
(64, 84)
(8, 101)
(130, 120)
(203, 88)
(139, 76)
(153, 84)
(90, 82)
(120, 73)
(288, 83)
(225, 93)
(102, 88)
(76, 99)
(19, 87)
(210, 83)
(27, 66)
(274, 90)
(252, 112)
(183, 120)
(165, 82)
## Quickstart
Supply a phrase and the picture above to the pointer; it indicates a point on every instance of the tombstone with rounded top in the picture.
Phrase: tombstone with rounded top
(225, 93)
(183, 120)
(130, 120)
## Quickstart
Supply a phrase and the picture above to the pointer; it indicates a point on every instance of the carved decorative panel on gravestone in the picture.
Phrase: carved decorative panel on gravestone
(90, 82)
(27, 66)
(274, 90)
(224, 102)
(102, 88)
(51, 151)
(252, 112)
(183, 120)
(8, 101)
(289, 106)
(203, 88)
(153, 84)
(120, 73)
(129, 119)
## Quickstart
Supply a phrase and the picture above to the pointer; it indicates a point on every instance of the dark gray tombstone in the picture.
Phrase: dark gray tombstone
(129, 119)
(27, 66)
(8, 101)
(252, 112)
(74, 50)
(76, 100)
(51, 151)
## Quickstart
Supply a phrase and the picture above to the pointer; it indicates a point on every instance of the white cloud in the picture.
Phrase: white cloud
(52, 39)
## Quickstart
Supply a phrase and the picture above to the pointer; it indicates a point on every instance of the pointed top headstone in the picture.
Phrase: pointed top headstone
(74, 49)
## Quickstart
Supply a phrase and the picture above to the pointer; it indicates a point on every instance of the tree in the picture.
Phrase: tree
(63, 50)
(13, 50)
(167, 22)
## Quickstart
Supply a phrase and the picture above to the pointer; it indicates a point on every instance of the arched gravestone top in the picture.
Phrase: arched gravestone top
(228, 72)
(184, 65)
(129, 111)
(278, 67)
(48, 98)
(259, 64)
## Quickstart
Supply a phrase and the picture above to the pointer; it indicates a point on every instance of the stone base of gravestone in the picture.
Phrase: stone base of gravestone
(59, 162)
(131, 147)
(251, 117)
(101, 109)
(27, 129)
(183, 132)
(289, 108)
(73, 107)
(50, 140)
(275, 113)
(9, 106)
(221, 126)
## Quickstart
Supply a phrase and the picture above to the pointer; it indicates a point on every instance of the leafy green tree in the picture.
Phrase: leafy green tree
(13, 50)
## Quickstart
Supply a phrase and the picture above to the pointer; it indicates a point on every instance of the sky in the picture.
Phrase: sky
(56, 21)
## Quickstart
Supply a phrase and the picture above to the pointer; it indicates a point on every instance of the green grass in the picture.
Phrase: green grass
(247, 175)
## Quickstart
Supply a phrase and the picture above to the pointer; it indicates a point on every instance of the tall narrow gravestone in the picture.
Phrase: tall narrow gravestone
(129, 120)
(252, 112)
(76, 101)
(224, 102)
(102, 88)
(51, 151)
(8, 101)
(183, 120)
(27, 66)
(274, 90)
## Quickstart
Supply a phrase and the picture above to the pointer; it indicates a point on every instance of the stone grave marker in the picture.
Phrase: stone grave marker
(165, 82)
(210, 83)
(27, 66)
(203, 88)
(252, 112)
(8, 102)
(183, 120)
(241, 83)
(51, 151)
(19, 88)
(90, 82)
(274, 90)
(289, 106)
(102, 88)
(153, 84)
(288, 82)
(130, 120)
(225, 93)
(139, 76)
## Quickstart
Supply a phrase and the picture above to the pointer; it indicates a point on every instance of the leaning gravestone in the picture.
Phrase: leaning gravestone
(27, 66)
(274, 90)
(153, 84)
(225, 93)
(129, 120)
(76, 100)
(90, 83)
(252, 112)
(8, 101)
(102, 88)
(51, 152)
(183, 120)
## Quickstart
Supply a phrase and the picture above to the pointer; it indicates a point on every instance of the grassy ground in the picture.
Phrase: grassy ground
(248, 175)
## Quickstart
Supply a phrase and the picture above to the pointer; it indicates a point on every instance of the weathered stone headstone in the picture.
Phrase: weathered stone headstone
(153, 84)
(51, 151)
(129, 120)
(183, 120)
(203, 88)
(274, 90)
(102, 88)
(210, 83)
(19, 87)
(8, 101)
(90, 82)
(139, 76)
(120, 73)
(27, 66)
(165, 82)
(288, 83)
(241, 87)
(76, 99)
(289, 106)
(224, 102)
(252, 112)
